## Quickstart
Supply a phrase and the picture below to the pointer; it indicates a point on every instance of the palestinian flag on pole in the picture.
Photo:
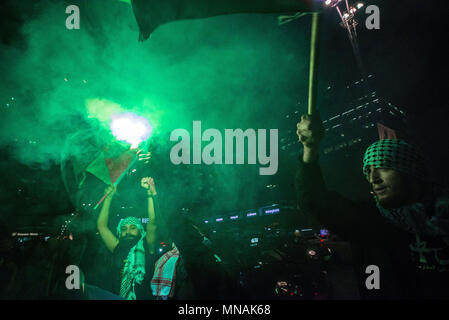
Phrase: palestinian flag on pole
(108, 168)
(90, 162)
(152, 13)
(111, 169)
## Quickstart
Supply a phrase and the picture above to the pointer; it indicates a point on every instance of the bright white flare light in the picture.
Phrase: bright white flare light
(332, 3)
(131, 128)
(359, 5)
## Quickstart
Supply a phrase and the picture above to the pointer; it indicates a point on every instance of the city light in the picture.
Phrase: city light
(347, 12)
(272, 211)
(331, 3)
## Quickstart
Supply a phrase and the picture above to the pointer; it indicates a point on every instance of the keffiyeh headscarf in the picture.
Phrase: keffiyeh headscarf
(430, 215)
(395, 154)
(134, 270)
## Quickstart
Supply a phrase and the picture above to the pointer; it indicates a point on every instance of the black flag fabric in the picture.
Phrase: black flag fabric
(152, 13)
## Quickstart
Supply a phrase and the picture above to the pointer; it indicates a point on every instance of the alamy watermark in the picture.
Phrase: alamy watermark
(212, 153)
(73, 280)
(373, 20)
(73, 20)
(373, 280)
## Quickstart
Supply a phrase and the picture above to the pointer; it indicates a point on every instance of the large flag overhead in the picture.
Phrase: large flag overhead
(152, 13)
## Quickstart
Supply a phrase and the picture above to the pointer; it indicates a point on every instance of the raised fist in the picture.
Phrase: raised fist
(310, 130)
(148, 184)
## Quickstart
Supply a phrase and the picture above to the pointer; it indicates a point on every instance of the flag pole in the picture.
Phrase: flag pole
(314, 53)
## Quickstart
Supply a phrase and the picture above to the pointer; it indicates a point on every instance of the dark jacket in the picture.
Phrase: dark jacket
(209, 278)
(375, 240)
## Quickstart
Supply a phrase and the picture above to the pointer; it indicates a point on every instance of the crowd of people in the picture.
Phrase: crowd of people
(403, 231)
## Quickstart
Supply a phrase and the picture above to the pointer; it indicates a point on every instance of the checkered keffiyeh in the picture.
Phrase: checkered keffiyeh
(134, 270)
(395, 154)
(163, 281)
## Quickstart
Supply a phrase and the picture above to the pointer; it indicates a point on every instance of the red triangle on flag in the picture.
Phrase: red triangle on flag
(119, 164)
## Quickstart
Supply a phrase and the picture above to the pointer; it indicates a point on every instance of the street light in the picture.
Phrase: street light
(347, 13)
(332, 3)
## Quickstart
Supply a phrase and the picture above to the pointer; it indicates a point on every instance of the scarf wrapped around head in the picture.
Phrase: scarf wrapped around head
(395, 154)
(430, 215)
(134, 270)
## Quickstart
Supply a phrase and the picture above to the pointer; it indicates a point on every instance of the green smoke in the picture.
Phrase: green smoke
(236, 71)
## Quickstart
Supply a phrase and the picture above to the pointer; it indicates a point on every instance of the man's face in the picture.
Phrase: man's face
(129, 232)
(389, 186)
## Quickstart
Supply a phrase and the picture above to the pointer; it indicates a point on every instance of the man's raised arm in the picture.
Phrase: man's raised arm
(148, 184)
(108, 237)
(349, 219)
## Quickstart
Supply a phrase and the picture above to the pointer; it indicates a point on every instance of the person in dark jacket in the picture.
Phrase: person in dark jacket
(189, 271)
(404, 231)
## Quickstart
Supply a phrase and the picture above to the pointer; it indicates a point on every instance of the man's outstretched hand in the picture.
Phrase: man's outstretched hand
(144, 156)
